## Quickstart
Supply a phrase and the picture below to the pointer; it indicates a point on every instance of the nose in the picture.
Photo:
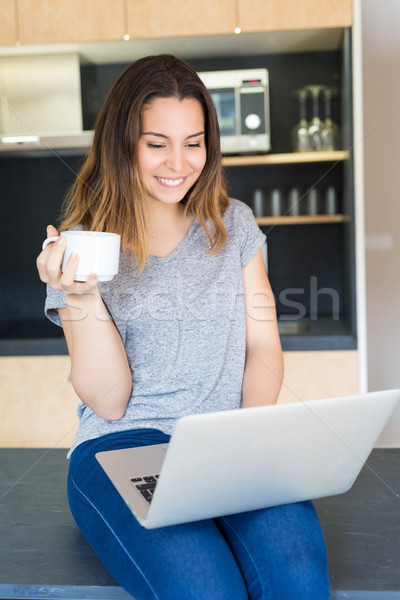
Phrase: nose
(175, 159)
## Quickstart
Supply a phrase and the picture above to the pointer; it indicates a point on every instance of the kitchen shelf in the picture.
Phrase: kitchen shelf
(303, 220)
(285, 159)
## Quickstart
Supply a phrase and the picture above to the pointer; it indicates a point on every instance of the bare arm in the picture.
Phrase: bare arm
(263, 372)
(100, 372)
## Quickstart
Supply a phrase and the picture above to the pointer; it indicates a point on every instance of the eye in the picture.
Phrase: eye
(194, 145)
(155, 146)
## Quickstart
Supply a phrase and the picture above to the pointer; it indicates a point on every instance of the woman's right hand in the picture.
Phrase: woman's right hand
(49, 264)
(100, 372)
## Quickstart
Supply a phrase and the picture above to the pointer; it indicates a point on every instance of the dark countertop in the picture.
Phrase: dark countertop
(299, 335)
(44, 555)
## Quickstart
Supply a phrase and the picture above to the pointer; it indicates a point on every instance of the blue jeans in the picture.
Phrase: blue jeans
(271, 554)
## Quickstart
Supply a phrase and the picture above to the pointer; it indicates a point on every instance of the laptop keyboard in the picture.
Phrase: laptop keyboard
(146, 485)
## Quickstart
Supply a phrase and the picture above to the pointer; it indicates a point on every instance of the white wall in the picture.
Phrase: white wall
(381, 109)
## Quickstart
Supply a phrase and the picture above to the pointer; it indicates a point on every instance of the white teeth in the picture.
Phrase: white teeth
(170, 182)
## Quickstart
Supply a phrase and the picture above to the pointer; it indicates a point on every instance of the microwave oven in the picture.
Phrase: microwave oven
(241, 98)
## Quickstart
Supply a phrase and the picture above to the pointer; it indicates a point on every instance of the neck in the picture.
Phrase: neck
(159, 212)
(167, 227)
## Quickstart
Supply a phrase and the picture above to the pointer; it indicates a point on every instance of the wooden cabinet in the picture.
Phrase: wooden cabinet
(176, 18)
(58, 21)
(38, 403)
(8, 23)
(285, 15)
(313, 375)
(62, 21)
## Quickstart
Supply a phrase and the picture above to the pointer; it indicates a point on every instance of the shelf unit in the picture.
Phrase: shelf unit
(291, 158)
(287, 158)
(303, 220)
(310, 256)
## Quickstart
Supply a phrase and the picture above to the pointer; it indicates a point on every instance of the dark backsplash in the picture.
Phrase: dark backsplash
(34, 186)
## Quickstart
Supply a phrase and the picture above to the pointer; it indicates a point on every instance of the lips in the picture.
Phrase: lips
(170, 183)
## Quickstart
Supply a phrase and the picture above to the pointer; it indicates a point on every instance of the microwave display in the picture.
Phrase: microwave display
(224, 101)
(241, 100)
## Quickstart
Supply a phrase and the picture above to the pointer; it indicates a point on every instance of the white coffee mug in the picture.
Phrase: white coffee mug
(98, 252)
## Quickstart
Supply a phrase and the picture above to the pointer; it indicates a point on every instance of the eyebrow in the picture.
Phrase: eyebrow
(193, 135)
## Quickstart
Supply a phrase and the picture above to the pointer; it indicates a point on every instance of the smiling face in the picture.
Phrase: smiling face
(171, 149)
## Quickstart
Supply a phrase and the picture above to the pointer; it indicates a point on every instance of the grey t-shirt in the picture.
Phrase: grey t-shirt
(182, 321)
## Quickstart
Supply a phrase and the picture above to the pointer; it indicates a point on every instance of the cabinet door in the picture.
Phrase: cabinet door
(54, 21)
(176, 18)
(281, 15)
(37, 402)
(8, 29)
(310, 375)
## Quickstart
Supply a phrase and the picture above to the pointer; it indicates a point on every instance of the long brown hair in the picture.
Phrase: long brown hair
(108, 194)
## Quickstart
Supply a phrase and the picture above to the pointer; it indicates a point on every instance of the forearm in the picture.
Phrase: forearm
(100, 372)
(263, 375)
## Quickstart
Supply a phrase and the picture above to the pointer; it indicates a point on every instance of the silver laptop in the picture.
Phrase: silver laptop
(233, 461)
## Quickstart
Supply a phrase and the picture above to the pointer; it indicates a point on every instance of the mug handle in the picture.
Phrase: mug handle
(49, 240)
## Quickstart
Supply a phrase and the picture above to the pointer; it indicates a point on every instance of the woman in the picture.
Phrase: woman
(187, 326)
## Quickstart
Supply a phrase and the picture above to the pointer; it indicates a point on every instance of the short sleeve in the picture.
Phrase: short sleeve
(251, 236)
(55, 299)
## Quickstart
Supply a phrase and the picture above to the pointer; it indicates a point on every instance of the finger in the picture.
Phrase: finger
(68, 277)
(69, 272)
(51, 230)
(87, 287)
(78, 287)
(48, 262)
(92, 281)
(53, 256)
(41, 263)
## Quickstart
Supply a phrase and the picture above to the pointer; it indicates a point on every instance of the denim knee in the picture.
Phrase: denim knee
(189, 562)
(281, 552)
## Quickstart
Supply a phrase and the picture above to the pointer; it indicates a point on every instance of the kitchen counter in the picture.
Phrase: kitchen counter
(43, 551)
